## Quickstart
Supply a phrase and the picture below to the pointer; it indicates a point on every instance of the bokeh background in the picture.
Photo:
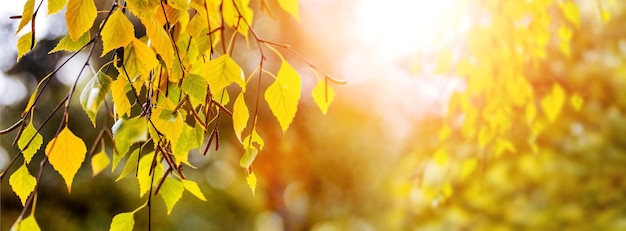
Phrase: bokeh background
(367, 164)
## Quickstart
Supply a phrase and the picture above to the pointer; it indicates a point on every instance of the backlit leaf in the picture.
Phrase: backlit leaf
(323, 95)
(251, 180)
(22, 183)
(291, 6)
(126, 132)
(24, 44)
(248, 157)
(120, 100)
(66, 153)
(171, 192)
(468, 166)
(131, 164)
(195, 86)
(240, 115)
(193, 188)
(283, 95)
(571, 12)
(256, 139)
(123, 222)
(171, 125)
(160, 40)
(55, 6)
(94, 94)
(29, 224)
(143, 173)
(139, 59)
(67, 44)
(99, 162)
(223, 71)
(553, 103)
(79, 17)
(27, 14)
(28, 134)
(185, 143)
(441, 157)
(117, 32)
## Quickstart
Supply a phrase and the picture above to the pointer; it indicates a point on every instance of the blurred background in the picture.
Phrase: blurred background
(367, 164)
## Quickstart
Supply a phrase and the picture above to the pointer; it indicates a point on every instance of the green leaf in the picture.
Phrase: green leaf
(126, 132)
(223, 71)
(192, 187)
(185, 142)
(99, 162)
(22, 183)
(131, 164)
(117, 32)
(29, 224)
(55, 6)
(291, 6)
(24, 44)
(323, 95)
(28, 134)
(283, 95)
(240, 115)
(94, 94)
(27, 14)
(195, 86)
(66, 153)
(67, 44)
(79, 17)
(553, 103)
(171, 192)
(123, 222)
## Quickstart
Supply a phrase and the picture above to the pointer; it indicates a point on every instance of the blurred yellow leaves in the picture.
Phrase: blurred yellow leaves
(66, 152)
(291, 6)
(553, 102)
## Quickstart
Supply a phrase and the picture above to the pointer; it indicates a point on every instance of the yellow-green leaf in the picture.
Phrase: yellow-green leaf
(123, 222)
(283, 95)
(139, 59)
(67, 44)
(117, 32)
(240, 115)
(248, 157)
(22, 183)
(171, 192)
(131, 164)
(185, 143)
(553, 103)
(99, 162)
(223, 71)
(126, 132)
(256, 139)
(120, 100)
(251, 180)
(143, 173)
(29, 224)
(291, 6)
(577, 101)
(193, 188)
(66, 153)
(24, 44)
(55, 6)
(195, 86)
(94, 94)
(171, 125)
(142, 5)
(79, 17)
(29, 133)
(323, 95)
(27, 14)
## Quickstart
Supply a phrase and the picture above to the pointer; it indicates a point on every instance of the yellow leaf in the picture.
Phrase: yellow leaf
(171, 192)
(248, 157)
(283, 95)
(171, 125)
(24, 44)
(178, 4)
(468, 166)
(234, 12)
(67, 44)
(66, 153)
(195, 86)
(606, 16)
(553, 103)
(28, 224)
(139, 59)
(223, 71)
(565, 33)
(123, 222)
(118, 91)
(55, 6)
(27, 14)
(323, 95)
(577, 101)
(22, 183)
(99, 162)
(251, 180)
(571, 12)
(291, 6)
(79, 16)
(117, 32)
(192, 187)
(160, 40)
(142, 6)
(240, 115)
(441, 157)
(143, 173)
(447, 190)
(29, 150)
(256, 139)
